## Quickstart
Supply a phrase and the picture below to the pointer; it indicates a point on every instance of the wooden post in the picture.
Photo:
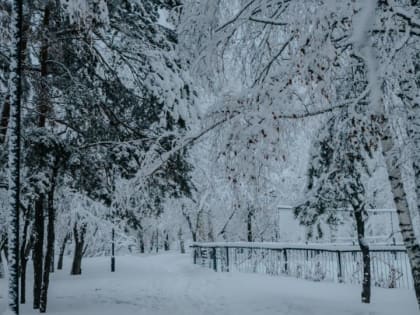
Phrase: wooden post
(195, 255)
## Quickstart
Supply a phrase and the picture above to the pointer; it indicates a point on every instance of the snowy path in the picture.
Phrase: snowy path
(169, 284)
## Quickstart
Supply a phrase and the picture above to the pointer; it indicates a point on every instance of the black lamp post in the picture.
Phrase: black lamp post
(113, 250)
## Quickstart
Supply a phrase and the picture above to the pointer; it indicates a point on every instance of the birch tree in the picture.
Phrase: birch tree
(82, 77)
(294, 65)
(388, 79)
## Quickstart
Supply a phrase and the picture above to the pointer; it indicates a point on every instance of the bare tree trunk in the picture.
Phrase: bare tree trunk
(225, 226)
(43, 108)
(152, 242)
(4, 120)
(24, 252)
(210, 234)
(249, 226)
(190, 225)
(15, 90)
(166, 242)
(401, 203)
(416, 168)
(157, 241)
(140, 237)
(52, 265)
(1, 266)
(37, 252)
(181, 241)
(79, 240)
(366, 282)
(2, 263)
(61, 253)
(50, 242)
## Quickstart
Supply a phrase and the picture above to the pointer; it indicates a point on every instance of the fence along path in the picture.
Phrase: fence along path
(390, 267)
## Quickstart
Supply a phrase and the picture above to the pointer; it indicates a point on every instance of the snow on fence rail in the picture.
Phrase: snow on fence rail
(389, 264)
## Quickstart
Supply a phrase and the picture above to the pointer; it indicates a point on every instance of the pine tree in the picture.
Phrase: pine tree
(101, 106)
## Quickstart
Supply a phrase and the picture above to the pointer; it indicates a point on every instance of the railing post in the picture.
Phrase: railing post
(340, 272)
(214, 259)
(285, 260)
(206, 255)
(227, 259)
(194, 254)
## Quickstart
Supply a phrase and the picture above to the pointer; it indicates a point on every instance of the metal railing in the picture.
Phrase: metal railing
(390, 267)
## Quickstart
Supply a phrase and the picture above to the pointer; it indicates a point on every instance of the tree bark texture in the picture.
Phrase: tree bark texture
(79, 241)
(37, 250)
(401, 203)
(49, 255)
(15, 93)
(366, 282)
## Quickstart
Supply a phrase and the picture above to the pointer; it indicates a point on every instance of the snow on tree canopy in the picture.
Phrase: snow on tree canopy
(86, 11)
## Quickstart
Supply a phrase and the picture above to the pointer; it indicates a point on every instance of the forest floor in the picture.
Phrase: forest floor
(169, 284)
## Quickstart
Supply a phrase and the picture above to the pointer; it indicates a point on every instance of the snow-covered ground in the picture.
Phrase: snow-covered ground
(169, 284)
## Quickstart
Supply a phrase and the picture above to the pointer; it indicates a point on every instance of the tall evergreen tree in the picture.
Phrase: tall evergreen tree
(106, 96)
